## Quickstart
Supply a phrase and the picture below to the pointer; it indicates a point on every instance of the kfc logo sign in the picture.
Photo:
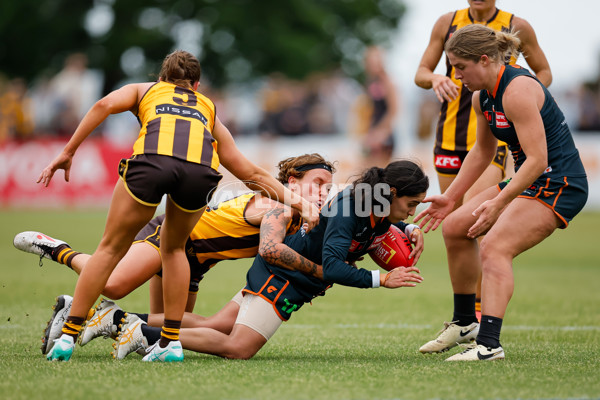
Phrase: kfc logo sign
(449, 162)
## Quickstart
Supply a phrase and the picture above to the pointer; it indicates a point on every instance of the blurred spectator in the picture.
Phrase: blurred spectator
(73, 91)
(429, 110)
(383, 104)
(292, 108)
(15, 110)
(589, 106)
(338, 92)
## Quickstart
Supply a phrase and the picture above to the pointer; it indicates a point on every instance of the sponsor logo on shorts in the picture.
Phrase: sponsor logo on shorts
(447, 162)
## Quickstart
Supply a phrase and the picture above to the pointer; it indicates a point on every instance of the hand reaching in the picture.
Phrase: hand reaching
(402, 277)
(62, 161)
(433, 215)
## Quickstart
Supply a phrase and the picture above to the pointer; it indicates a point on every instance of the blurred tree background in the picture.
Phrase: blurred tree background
(235, 40)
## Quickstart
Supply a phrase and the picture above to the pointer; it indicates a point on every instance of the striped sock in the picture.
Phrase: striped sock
(64, 255)
(169, 332)
(72, 326)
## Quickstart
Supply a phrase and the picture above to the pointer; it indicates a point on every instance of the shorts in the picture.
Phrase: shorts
(151, 234)
(147, 177)
(448, 162)
(258, 314)
(566, 198)
(277, 291)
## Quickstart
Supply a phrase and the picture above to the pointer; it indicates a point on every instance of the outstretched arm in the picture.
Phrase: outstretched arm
(476, 161)
(120, 100)
(257, 178)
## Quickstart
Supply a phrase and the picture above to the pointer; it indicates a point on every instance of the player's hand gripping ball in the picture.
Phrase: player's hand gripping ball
(393, 251)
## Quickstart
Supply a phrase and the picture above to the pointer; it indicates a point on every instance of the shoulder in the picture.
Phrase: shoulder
(522, 92)
(523, 29)
(443, 23)
(522, 85)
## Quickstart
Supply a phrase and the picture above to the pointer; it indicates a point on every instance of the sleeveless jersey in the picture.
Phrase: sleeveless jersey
(457, 122)
(177, 122)
(563, 157)
(223, 233)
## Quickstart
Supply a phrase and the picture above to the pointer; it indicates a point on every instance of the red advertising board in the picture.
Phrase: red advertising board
(92, 178)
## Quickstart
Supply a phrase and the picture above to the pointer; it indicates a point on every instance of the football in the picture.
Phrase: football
(393, 250)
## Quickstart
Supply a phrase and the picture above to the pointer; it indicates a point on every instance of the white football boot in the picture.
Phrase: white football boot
(130, 338)
(101, 323)
(451, 336)
(172, 353)
(37, 243)
(53, 330)
(62, 349)
(478, 352)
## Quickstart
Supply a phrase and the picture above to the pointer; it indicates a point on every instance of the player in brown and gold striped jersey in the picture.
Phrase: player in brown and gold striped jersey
(229, 230)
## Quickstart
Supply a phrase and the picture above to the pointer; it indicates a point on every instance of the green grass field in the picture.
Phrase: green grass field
(350, 344)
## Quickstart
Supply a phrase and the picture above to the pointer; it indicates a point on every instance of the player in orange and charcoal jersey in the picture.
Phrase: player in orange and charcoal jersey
(351, 224)
(549, 187)
(180, 145)
(455, 133)
(229, 230)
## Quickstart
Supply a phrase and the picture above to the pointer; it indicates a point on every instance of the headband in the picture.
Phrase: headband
(308, 167)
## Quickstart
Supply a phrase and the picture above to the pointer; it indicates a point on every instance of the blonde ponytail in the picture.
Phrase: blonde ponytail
(473, 41)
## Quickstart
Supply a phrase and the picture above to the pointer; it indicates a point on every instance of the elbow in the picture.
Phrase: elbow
(103, 106)
(549, 78)
(267, 254)
(420, 83)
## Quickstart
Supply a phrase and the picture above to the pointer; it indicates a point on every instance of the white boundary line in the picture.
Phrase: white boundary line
(414, 326)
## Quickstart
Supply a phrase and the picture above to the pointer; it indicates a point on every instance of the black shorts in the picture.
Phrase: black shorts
(566, 198)
(151, 234)
(448, 162)
(147, 177)
(278, 291)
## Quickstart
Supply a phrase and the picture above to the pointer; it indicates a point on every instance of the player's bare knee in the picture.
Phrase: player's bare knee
(114, 292)
(241, 353)
(453, 229)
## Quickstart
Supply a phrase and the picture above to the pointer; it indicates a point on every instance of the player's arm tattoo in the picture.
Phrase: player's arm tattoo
(273, 229)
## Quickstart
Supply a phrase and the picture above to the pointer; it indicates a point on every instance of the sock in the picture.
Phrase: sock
(151, 333)
(478, 307)
(63, 254)
(170, 332)
(464, 309)
(143, 317)
(72, 326)
(489, 331)
(117, 317)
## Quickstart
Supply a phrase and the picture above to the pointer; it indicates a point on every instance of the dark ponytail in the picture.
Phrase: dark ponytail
(405, 176)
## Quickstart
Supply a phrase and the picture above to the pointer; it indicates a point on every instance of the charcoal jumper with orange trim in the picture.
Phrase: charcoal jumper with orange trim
(341, 237)
(563, 185)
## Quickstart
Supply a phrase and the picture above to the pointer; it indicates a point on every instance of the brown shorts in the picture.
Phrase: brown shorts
(147, 177)
(151, 234)
(448, 162)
